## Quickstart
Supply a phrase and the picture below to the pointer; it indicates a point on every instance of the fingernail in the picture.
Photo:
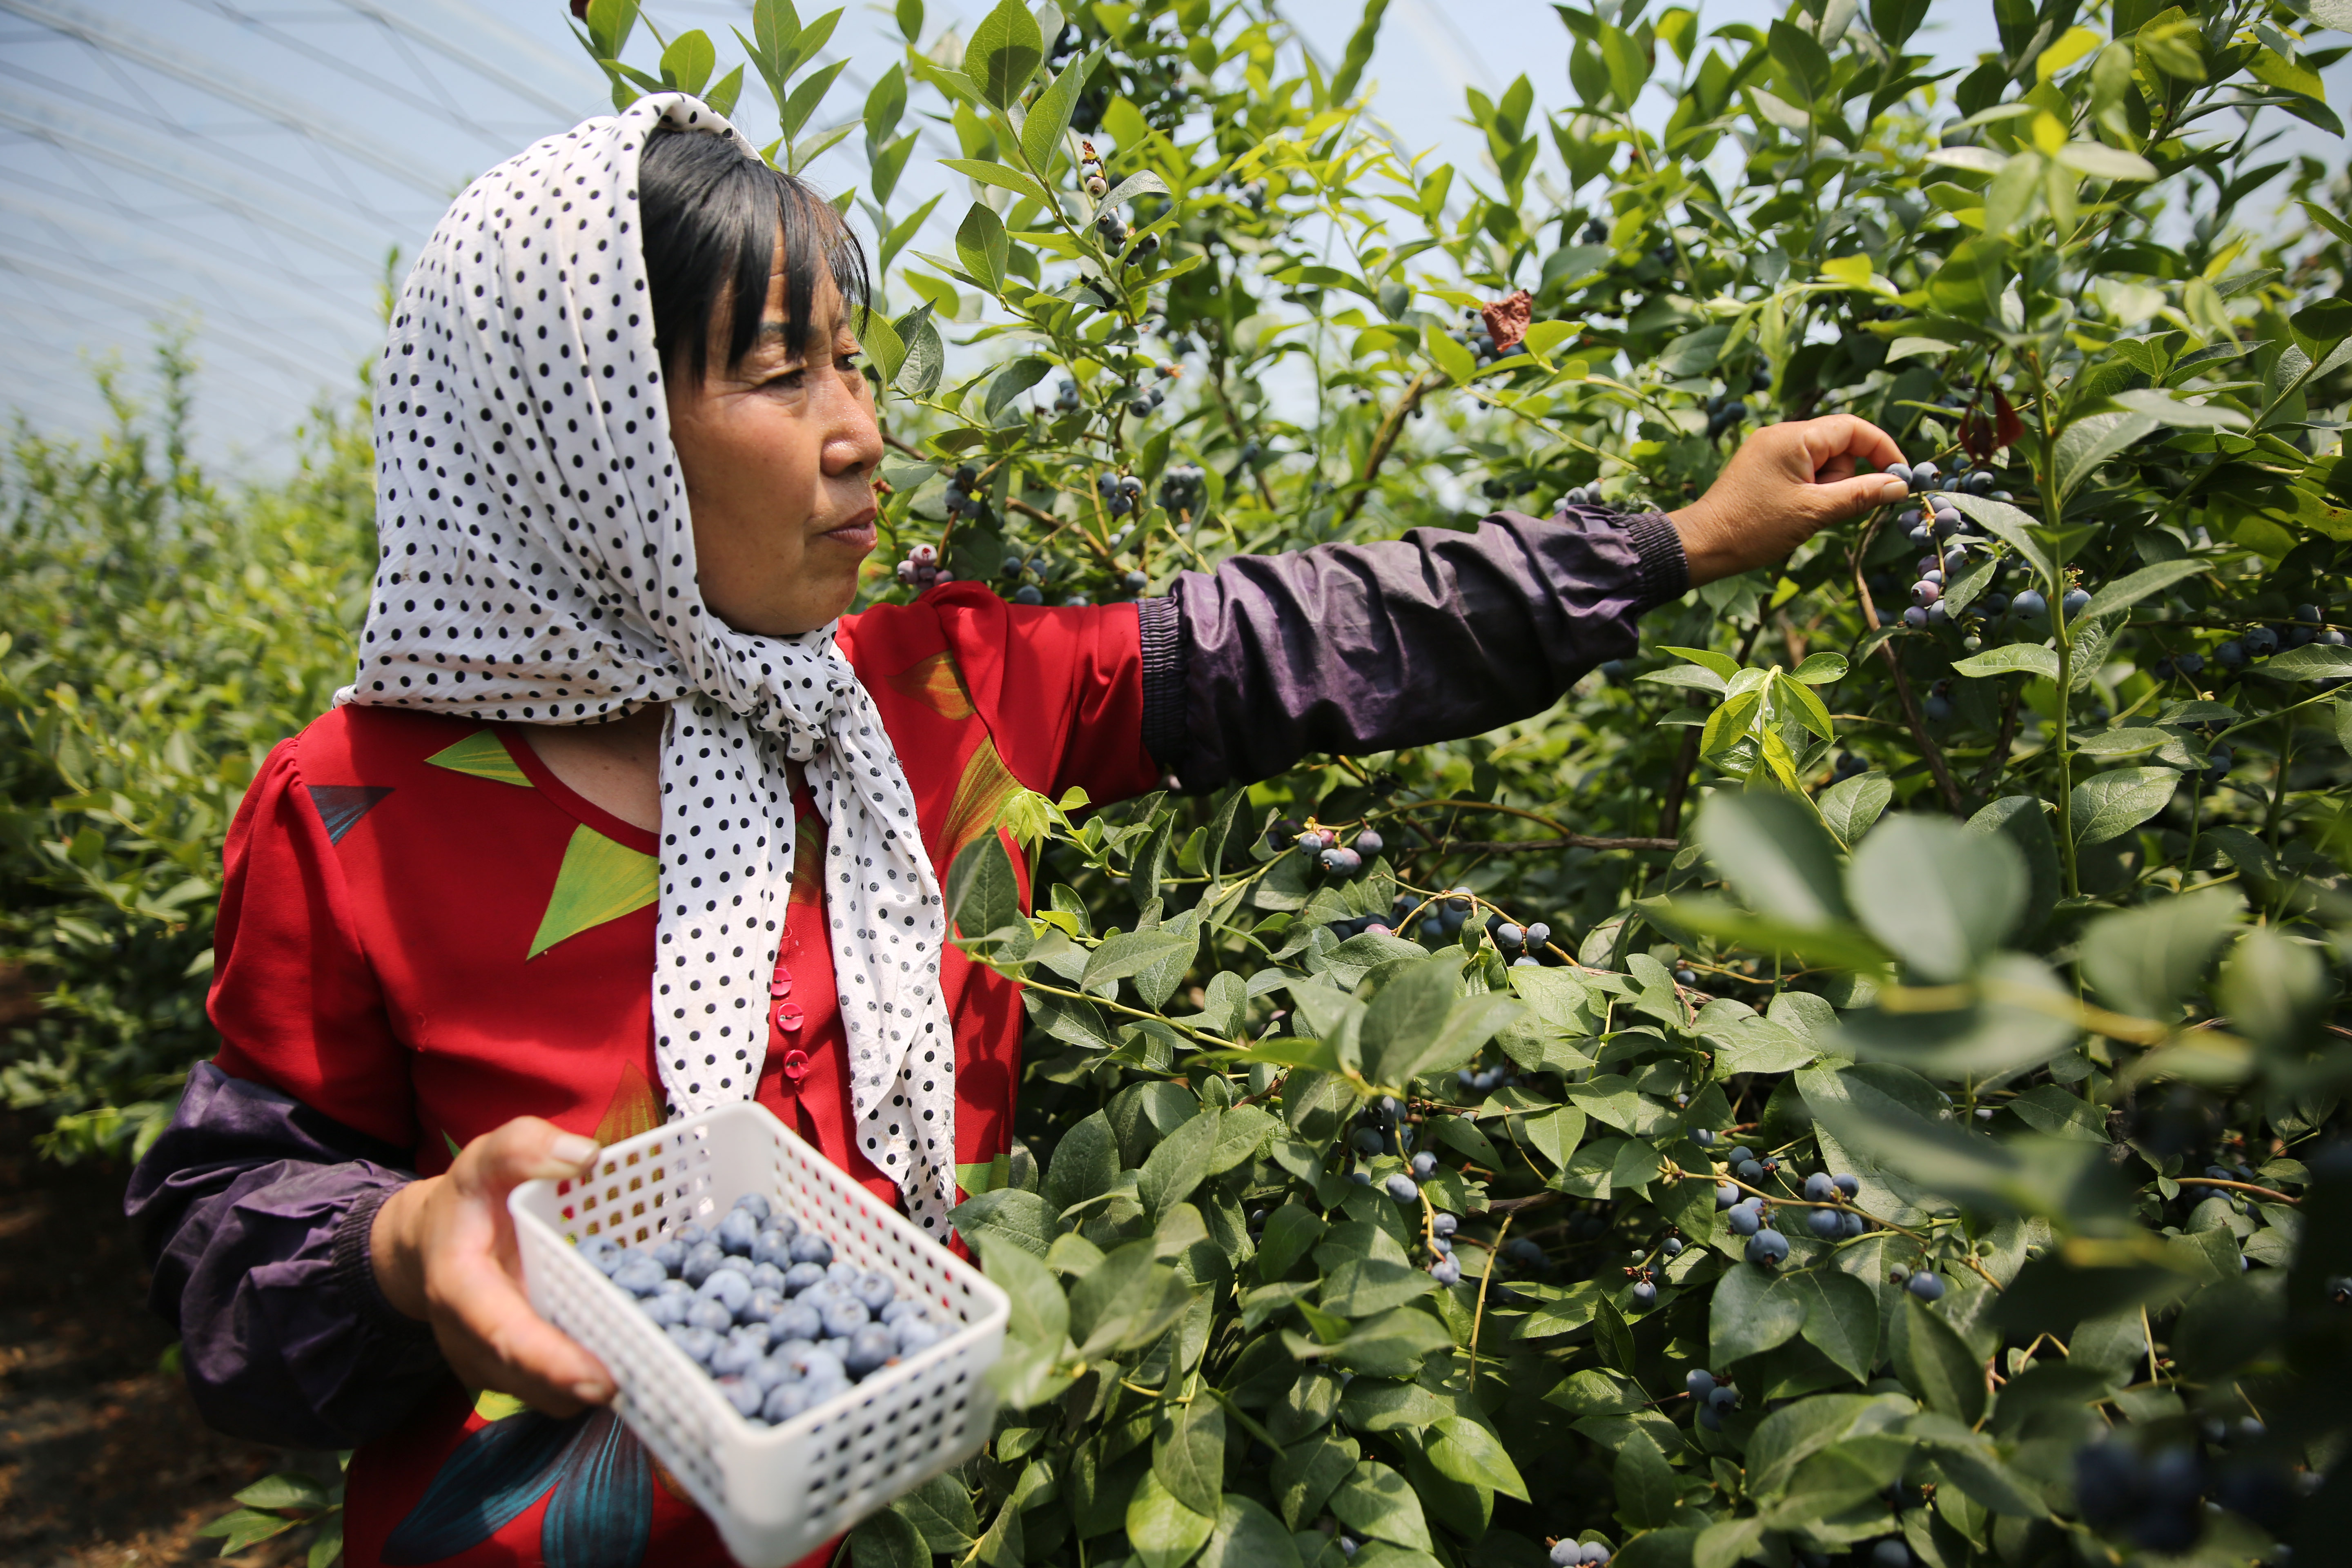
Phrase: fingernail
(572, 1149)
(591, 1393)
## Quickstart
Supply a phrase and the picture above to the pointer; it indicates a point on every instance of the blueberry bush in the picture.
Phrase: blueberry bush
(158, 633)
(1861, 1079)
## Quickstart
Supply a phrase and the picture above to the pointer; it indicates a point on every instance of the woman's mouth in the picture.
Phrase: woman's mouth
(857, 533)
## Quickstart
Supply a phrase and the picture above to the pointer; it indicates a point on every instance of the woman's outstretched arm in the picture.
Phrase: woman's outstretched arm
(1352, 648)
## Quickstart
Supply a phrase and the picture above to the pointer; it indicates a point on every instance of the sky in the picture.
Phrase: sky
(246, 169)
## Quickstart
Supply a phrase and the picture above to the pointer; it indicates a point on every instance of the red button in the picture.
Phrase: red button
(781, 986)
(796, 1064)
(788, 1016)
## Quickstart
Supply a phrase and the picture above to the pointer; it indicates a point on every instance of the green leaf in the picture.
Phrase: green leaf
(1179, 1165)
(1040, 1316)
(282, 1491)
(1049, 117)
(1821, 670)
(1448, 355)
(887, 1539)
(689, 61)
(1935, 1363)
(721, 97)
(1012, 380)
(1417, 1019)
(999, 175)
(2009, 524)
(246, 1526)
(1163, 1532)
(941, 1510)
(1306, 1474)
(1290, 1231)
(1085, 1164)
(980, 245)
(1938, 897)
(1006, 51)
(1188, 1456)
(926, 355)
(2168, 409)
(1375, 1501)
(1628, 63)
(1247, 1536)
(1750, 1313)
(1144, 183)
(802, 103)
(2144, 962)
(2090, 441)
(1646, 1486)
(2110, 804)
(1840, 1318)
(2010, 658)
(2313, 661)
(1463, 1451)
(1850, 807)
(1006, 1213)
(982, 894)
(1130, 1300)
(881, 342)
(1774, 854)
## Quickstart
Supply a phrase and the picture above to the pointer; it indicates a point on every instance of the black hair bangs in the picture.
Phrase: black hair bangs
(709, 216)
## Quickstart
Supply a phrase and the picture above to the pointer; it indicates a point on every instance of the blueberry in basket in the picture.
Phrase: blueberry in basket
(762, 1306)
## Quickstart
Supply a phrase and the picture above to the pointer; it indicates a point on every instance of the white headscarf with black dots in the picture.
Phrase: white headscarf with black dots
(537, 565)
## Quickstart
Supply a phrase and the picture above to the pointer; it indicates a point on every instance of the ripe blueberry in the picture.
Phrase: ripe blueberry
(1402, 1188)
(1767, 1248)
(1925, 1286)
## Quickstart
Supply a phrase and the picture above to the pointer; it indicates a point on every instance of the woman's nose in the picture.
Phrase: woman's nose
(853, 441)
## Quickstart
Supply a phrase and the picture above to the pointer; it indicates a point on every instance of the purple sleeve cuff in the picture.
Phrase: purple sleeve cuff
(257, 1210)
(1371, 647)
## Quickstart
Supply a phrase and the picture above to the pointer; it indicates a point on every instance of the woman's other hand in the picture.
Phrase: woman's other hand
(1784, 484)
(443, 1249)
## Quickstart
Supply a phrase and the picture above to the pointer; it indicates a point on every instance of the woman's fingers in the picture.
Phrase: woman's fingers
(1839, 443)
(484, 1319)
(524, 1150)
(464, 1241)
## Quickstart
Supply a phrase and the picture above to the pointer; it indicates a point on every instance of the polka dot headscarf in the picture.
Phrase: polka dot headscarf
(537, 565)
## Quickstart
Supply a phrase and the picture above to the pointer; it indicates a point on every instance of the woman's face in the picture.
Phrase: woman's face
(779, 456)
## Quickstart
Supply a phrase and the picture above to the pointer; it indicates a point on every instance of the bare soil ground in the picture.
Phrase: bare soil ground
(103, 1461)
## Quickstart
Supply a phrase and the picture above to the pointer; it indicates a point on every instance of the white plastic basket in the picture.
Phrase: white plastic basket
(775, 1493)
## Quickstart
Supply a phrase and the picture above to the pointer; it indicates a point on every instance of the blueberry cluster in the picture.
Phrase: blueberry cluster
(761, 1305)
(1723, 413)
(2152, 1499)
(1486, 1077)
(965, 499)
(1521, 945)
(1180, 488)
(1567, 1554)
(1065, 397)
(1927, 1287)
(1017, 569)
(1714, 1400)
(1142, 402)
(920, 569)
(1121, 493)
(1477, 338)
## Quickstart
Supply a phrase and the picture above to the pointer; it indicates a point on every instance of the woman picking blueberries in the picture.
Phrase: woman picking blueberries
(622, 818)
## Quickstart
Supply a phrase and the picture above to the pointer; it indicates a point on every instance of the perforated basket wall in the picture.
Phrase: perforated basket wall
(776, 1493)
